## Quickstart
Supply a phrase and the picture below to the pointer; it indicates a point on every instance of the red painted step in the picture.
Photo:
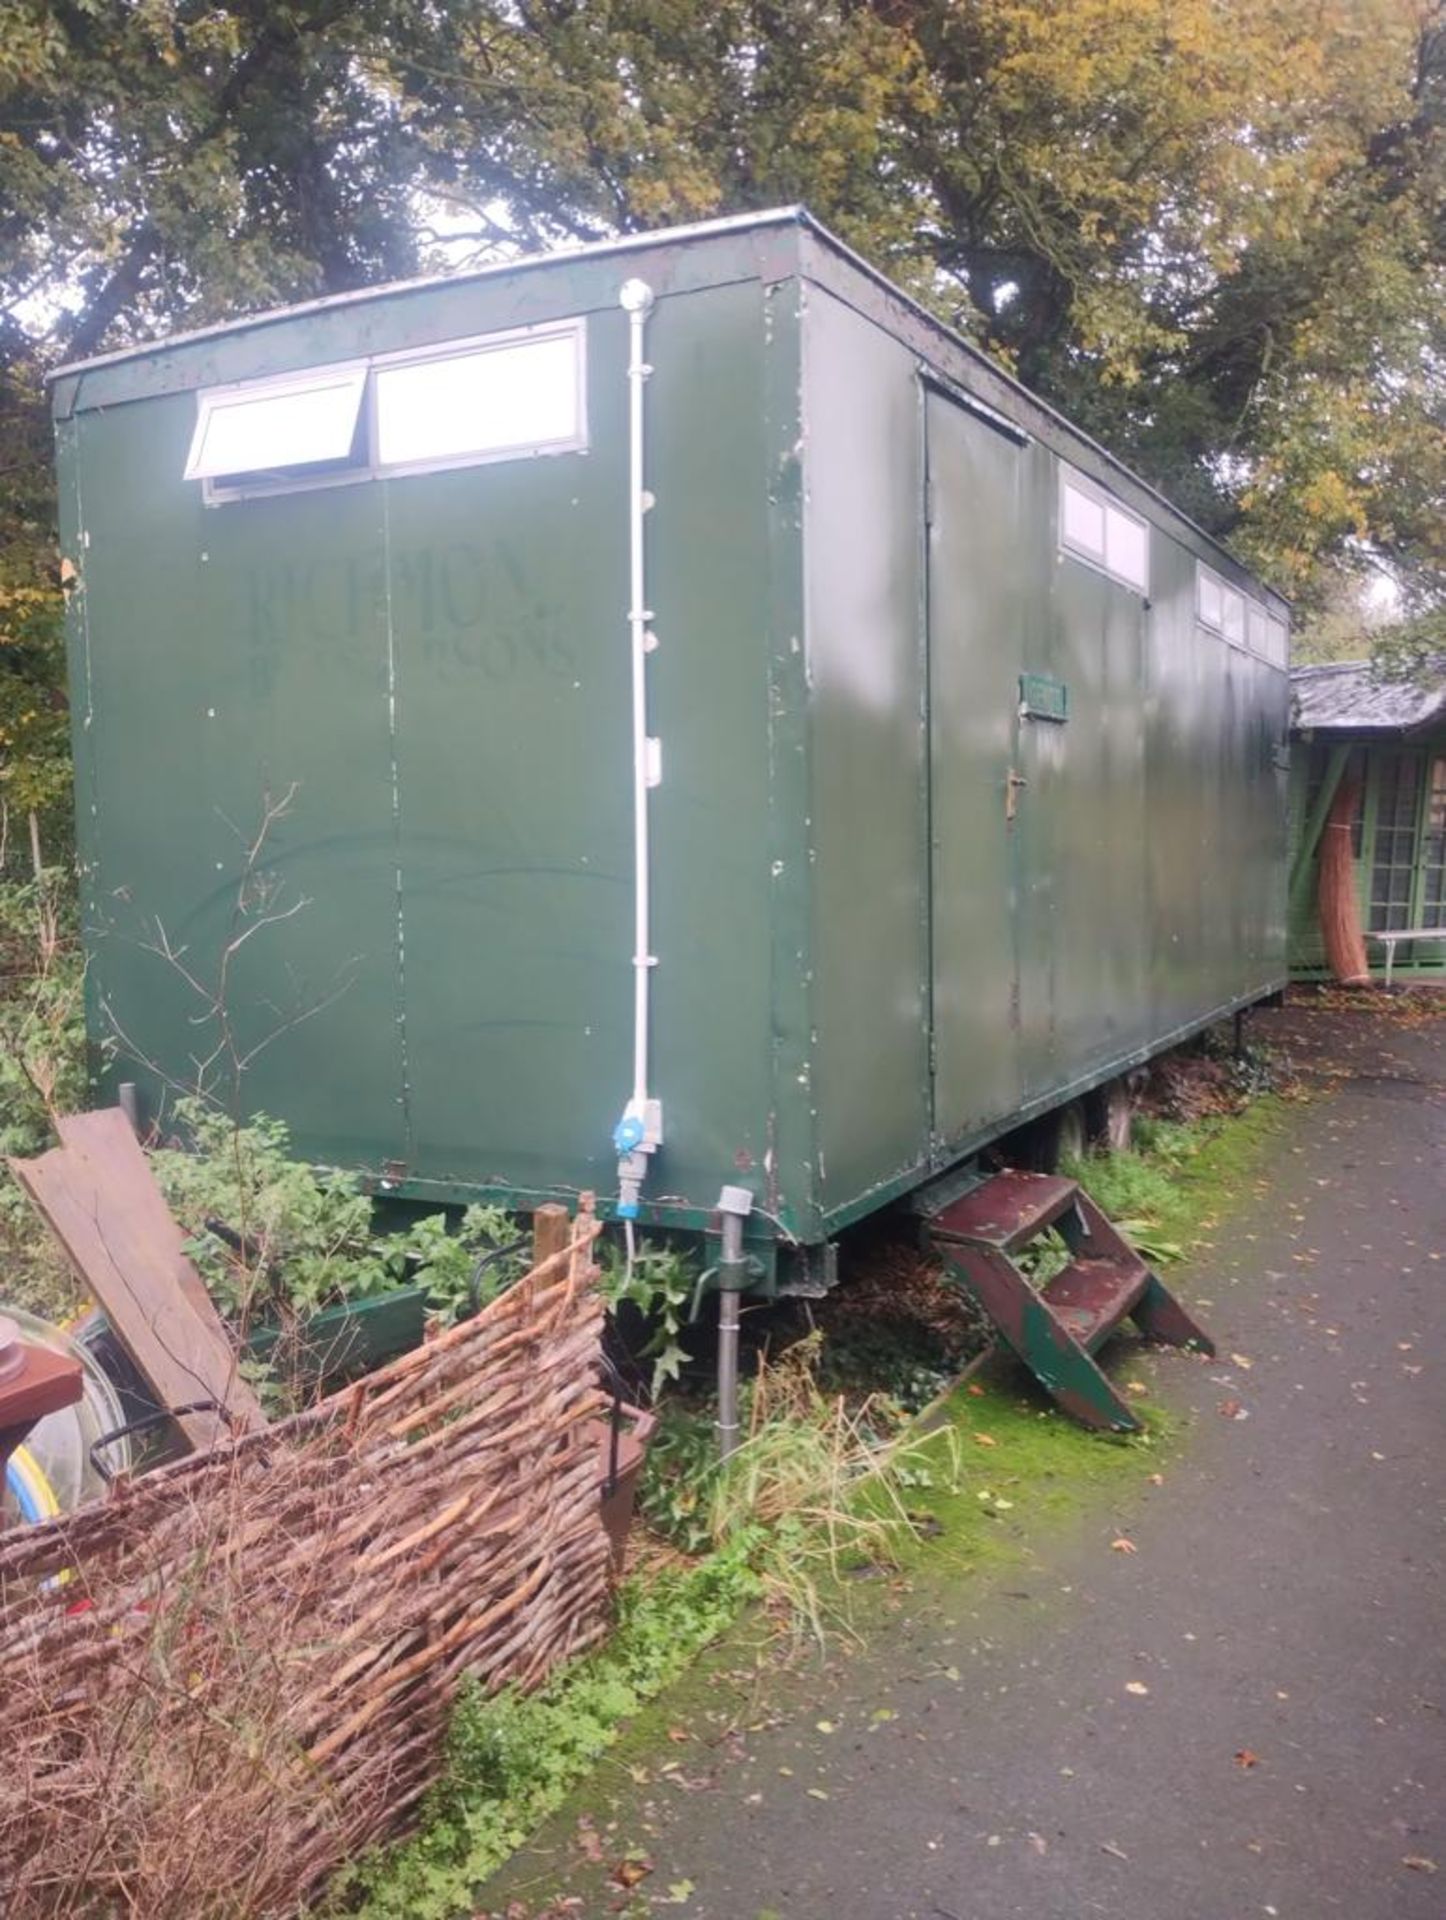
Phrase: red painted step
(1006, 1211)
(1091, 1297)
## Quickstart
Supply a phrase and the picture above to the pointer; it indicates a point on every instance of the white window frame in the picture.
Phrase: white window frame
(1236, 630)
(222, 490)
(575, 442)
(1206, 579)
(1224, 592)
(1263, 633)
(217, 488)
(1070, 478)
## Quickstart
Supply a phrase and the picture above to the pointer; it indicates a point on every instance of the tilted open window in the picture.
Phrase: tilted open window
(500, 397)
(271, 433)
(1096, 528)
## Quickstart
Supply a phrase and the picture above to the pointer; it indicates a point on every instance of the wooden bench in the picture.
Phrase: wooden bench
(1390, 941)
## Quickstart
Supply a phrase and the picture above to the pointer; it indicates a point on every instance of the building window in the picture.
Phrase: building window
(1232, 616)
(501, 397)
(1394, 850)
(493, 400)
(1096, 528)
(1226, 611)
(268, 433)
(1209, 599)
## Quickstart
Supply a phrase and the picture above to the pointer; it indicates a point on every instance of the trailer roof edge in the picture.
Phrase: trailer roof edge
(385, 289)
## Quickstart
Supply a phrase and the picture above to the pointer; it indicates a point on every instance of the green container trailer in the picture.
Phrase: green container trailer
(951, 755)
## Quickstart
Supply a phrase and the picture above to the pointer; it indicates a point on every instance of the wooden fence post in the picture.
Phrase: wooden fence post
(550, 1231)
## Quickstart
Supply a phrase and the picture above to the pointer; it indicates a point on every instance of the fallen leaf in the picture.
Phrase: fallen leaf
(1123, 1546)
(1241, 1361)
(1136, 1686)
(817, 1793)
(1418, 1863)
(826, 1726)
(985, 1440)
(1109, 1847)
(977, 1391)
(1038, 1842)
(1229, 1409)
(1245, 1758)
(880, 1714)
(627, 1873)
(1157, 1479)
(679, 1734)
(680, 1891)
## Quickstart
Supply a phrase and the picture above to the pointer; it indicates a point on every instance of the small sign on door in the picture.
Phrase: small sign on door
(1042, 698)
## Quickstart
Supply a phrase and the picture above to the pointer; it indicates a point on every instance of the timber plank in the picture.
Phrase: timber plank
(98, 1195)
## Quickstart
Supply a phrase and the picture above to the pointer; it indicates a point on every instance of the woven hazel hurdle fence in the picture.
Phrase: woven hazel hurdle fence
(235, 1674)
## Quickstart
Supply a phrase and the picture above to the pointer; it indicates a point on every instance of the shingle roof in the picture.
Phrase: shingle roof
(1349, 698)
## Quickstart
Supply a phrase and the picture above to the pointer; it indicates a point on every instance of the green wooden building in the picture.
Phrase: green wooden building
(1393, 737)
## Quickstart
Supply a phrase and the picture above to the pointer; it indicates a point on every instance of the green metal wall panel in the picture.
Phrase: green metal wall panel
(711, 540)
(227, 659)
(504, 589)
(868, 801)
(983, 602)
(1082, 826)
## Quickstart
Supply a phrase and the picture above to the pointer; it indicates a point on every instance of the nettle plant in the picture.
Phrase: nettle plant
(273, 1237)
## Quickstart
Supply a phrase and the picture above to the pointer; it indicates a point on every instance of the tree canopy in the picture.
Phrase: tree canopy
(1210, 230)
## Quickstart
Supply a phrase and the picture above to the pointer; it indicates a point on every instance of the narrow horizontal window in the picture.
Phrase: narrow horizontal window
(277, 427)
(1232, 616)
(499, 397)
(1127, 548)
(1084, 521)
(1209, 599)
(1096, 528)
(518, 396)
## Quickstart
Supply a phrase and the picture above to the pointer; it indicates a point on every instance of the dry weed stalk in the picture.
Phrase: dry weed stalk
(235, 1674)
(815, 1477)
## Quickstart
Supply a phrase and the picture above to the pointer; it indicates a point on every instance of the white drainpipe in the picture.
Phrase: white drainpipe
(639, 1133)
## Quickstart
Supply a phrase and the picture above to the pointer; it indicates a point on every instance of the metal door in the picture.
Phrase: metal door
(979, 594)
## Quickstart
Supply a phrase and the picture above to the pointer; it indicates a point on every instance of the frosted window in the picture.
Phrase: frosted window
(1209, 599)
(1084, 521)
(517, 396)
(1258, 629)
(1232, 623)
(1278, 644)
(1127, 548)
(275, 424)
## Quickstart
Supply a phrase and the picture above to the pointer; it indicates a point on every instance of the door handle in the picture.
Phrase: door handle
(1013, 781)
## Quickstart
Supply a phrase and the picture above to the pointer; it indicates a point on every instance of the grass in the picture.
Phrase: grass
(1171, 1189)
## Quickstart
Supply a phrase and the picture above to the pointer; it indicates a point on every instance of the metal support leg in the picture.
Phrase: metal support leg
(734, 1204)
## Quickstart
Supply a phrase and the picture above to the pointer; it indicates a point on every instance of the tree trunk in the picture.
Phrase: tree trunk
(1340, 916)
